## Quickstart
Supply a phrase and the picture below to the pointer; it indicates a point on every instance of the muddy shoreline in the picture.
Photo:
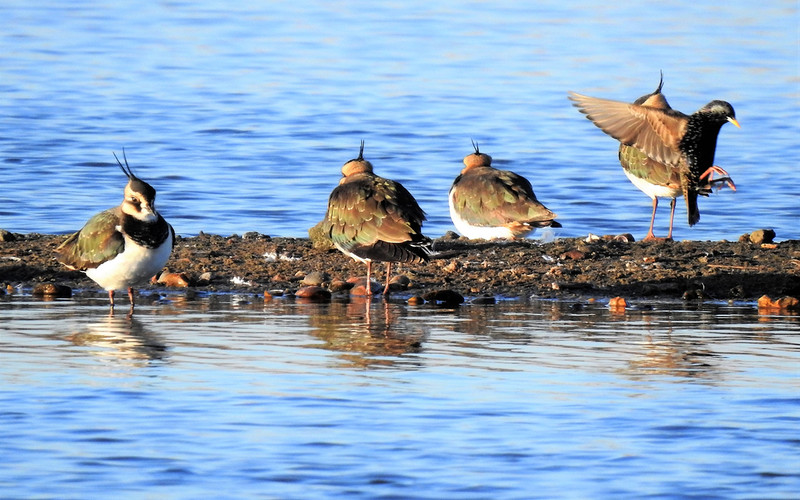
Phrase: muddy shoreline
(568, 268)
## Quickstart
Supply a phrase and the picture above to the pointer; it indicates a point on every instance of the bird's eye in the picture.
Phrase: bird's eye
(135, 202)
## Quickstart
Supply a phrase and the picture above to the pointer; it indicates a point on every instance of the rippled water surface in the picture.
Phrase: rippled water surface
(242, 115)
(229, 396)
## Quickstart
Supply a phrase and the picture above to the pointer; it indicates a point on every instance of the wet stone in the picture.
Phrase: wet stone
(179, 280)
(444, 297)
(762, 236)
(484, 300)
(313, 293)
(7, 235)
(315, 278)
(339, 286)
(52, 290)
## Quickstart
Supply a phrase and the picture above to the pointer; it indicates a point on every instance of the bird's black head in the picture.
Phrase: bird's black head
(720, 111)
(140, 197)
(134, 183)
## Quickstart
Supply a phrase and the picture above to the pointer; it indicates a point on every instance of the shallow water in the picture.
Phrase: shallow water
(241, 116)
(229, 396)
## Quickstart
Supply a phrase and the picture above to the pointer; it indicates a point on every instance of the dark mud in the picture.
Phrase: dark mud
(569, 268)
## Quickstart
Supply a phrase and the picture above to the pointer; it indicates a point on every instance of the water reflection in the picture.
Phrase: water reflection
(674, 357)
(367, 331)
(121, 337)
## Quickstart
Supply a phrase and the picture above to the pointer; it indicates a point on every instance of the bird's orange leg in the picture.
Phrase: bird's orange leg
(671, 217)
(388, 275)
(368, 284)
(650, 235)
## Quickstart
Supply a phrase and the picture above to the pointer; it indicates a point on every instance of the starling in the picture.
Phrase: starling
(670, 145)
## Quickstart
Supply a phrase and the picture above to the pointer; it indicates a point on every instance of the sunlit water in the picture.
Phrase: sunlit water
(228, 396)
(242, 115)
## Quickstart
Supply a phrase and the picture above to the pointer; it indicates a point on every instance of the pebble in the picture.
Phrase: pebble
(319, 236)
(179, 280)
(484, 300)
(591, 238)
(416, 300)
(52, 290)
(313, 293)
(360, 288)
(339, 286)
(625, 238)
(617, 303)
(573, 255)
(451, 267)
(444, 297)
(315, 278)
(399, 282)
(762, 236)
(693, 294)
(785, 303)
(7, 235)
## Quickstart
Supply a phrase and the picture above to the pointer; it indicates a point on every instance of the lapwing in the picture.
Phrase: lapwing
(122, 246)
(371, 218)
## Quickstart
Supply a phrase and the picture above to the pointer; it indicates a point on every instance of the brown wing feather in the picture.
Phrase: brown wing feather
(656, 132)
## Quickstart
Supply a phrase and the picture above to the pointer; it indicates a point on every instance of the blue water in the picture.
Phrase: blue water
(228, 397)
(242, 115)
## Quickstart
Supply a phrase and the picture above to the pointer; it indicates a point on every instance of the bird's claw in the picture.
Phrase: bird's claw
(718, 183)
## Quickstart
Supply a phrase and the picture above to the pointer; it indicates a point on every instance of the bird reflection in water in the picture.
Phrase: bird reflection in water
(121, 337)
(368, 333)
(665, 355)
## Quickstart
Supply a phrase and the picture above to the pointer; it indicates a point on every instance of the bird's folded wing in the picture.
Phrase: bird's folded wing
(498, 199)
(97, 242)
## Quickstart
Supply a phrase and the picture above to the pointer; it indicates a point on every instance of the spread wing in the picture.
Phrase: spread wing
(368, 209)
(489, 197)
(98, 241)
(656, 132)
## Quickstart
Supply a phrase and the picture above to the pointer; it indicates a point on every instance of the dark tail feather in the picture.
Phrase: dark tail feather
(691, 207)
(412, 253)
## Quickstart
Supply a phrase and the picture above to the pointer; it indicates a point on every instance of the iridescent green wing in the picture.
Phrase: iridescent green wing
(640, 165)
(98, 241)
(490, 197)
(368, 209)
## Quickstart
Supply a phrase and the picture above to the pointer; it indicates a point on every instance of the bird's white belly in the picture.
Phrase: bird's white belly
(480, 232)
(653, 190)
(135, 265)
